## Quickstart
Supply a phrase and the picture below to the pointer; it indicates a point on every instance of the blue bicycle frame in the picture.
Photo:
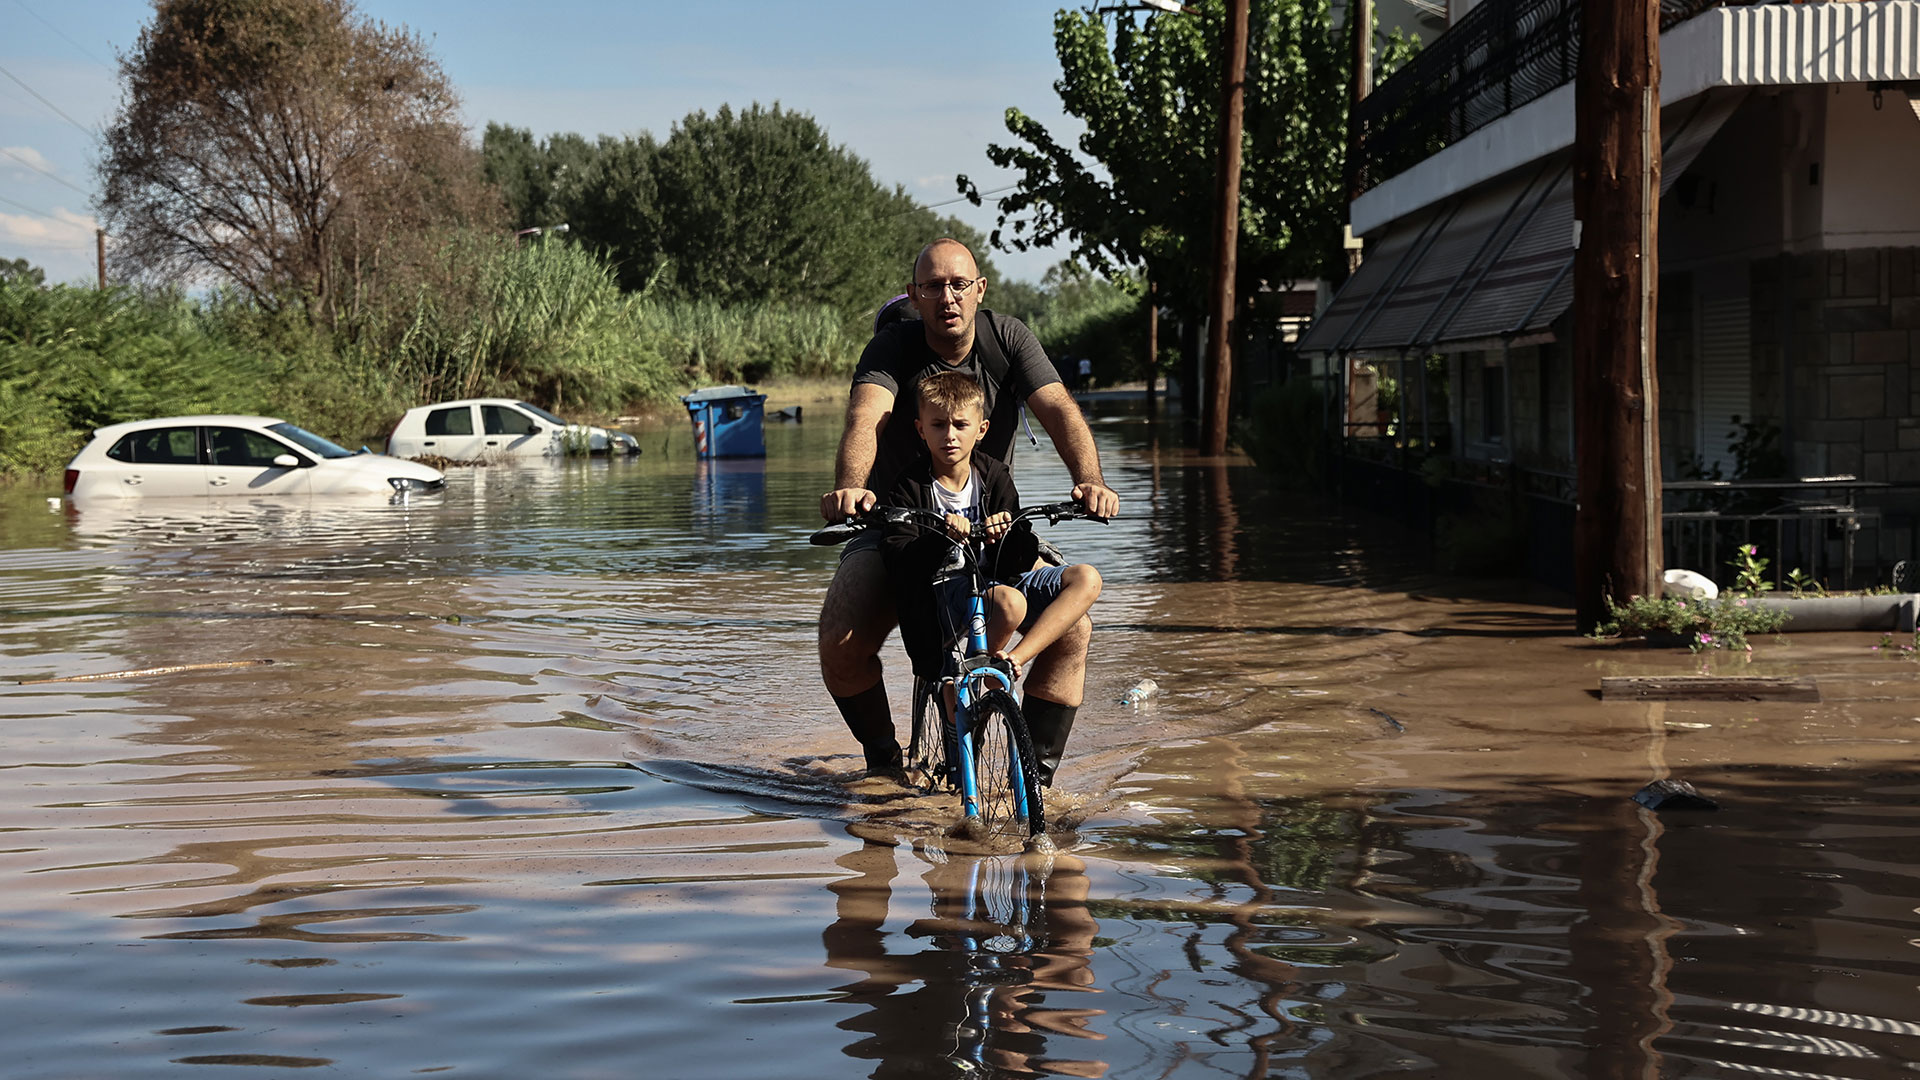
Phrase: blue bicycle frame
(976, 666)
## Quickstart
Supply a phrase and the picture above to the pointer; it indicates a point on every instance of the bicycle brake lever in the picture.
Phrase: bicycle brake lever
(838, 533)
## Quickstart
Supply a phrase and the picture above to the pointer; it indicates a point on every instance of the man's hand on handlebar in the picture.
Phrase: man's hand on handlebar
(1098, 498)
(842, 503)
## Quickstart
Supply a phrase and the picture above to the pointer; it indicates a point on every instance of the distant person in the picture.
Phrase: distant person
(954, 334)
(1086, 374)
(976, 492)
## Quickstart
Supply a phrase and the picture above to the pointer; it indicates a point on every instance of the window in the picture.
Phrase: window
(456, 421)
(159, 446)
(1493, 403)
(501, 420)
(240, 447)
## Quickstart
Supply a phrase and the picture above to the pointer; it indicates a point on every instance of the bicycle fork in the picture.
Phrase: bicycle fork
(976, 668)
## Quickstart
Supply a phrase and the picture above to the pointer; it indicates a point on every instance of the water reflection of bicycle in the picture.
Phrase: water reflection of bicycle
(999, 958)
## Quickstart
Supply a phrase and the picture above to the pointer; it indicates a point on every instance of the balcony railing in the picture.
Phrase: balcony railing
(1500, 56)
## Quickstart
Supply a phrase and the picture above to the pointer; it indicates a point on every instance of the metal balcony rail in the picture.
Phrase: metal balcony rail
(1500, 56)
(1838, 530)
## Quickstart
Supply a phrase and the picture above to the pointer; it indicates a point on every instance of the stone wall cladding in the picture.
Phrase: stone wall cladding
(1855, 325)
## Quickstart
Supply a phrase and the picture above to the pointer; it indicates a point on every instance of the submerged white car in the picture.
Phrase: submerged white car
(233, 455)
(491, 429)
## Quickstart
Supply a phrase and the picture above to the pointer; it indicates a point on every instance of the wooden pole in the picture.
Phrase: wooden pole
(100, 254)
(1616, 270)
(1226, 240)
(1153, 343)
(1360, 12)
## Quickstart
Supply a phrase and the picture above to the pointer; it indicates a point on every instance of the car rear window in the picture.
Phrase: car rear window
(458, 421)
(159, 446)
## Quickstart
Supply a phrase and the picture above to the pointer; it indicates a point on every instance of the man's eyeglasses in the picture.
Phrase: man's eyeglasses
(940, 287)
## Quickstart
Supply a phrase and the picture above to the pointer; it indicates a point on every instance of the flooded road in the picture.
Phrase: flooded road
(541, 782)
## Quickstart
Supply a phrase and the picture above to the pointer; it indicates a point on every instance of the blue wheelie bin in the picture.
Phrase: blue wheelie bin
(728, 421)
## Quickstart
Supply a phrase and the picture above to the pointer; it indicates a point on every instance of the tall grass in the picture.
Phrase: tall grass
(543, 322)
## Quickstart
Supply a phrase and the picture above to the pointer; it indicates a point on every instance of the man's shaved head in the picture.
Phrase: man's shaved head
(941, 247)
(946, 311)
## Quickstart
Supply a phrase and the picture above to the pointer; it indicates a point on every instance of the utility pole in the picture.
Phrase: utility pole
(100, 254)
(1153, 343)
(1360, 17)
(1616, 274)
(1226, 241)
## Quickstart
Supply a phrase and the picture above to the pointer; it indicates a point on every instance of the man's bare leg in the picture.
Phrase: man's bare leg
(854, 622)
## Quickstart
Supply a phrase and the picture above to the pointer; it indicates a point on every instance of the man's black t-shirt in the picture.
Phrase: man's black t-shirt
(897, 359)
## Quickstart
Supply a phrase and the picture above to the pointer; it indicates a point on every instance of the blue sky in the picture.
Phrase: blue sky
(918, 90)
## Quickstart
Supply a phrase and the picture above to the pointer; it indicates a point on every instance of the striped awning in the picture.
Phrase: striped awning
(1492, 263)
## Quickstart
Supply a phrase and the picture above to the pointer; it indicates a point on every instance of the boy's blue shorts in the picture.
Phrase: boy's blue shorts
(1040, 587)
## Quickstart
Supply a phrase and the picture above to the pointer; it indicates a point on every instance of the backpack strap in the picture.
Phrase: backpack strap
(993, 359)
(993, 349)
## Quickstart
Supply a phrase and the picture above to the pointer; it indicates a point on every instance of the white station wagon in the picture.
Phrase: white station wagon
(233, 455)
(492, 429)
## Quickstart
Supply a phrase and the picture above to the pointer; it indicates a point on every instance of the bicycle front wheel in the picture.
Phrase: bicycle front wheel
(1003, 769)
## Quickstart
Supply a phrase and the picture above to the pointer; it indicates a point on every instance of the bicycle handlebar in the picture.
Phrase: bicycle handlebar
(924, 518)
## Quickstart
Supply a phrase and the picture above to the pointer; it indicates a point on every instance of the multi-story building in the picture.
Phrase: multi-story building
(1788, 334)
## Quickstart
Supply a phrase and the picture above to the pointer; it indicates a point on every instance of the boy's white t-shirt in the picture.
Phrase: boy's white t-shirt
(965, 502)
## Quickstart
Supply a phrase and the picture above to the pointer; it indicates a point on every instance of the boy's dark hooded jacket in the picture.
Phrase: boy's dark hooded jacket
(913, 555)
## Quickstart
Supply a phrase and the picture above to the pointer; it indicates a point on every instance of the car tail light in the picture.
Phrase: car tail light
(73, 477)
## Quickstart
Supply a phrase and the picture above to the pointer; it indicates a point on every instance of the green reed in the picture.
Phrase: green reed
(480, 317)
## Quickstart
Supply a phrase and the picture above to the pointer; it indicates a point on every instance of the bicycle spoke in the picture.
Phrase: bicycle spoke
(1003, 769)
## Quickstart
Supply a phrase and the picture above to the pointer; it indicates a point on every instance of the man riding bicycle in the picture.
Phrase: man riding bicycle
(953, 333)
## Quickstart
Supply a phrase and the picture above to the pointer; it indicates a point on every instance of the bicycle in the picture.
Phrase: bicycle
(984, 748)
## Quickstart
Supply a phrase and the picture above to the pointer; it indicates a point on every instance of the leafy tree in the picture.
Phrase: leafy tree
(22, 270)
(1149, 94)
(739, 207)
(290, 147)
(541, 182)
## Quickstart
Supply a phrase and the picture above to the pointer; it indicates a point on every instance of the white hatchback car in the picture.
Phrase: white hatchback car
(490, 429)
(233, 455)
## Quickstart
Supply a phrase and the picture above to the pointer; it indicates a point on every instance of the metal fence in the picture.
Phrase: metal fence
(1839, 532)
(1500, 56)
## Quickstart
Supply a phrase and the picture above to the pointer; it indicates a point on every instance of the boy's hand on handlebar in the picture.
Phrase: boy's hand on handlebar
(1098, 498)
(997, 525)
(842, 503)
(958, 527)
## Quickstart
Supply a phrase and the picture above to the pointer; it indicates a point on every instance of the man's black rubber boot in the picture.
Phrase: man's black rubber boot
(1049, 723)
(870, 719)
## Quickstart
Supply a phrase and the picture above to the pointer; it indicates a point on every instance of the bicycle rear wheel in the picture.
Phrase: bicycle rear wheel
(1000, 742)
(930, 750)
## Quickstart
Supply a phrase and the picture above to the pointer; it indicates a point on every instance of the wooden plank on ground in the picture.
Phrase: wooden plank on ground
(1708, 688)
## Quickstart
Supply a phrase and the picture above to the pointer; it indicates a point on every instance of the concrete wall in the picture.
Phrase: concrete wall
(1727, 204)
(1871, 177)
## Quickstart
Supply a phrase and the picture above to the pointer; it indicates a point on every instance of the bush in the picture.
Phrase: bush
(1702, 624)
(1285, 431)
(543, 322)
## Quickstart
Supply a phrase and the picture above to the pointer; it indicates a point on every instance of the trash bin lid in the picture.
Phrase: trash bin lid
(721, 393)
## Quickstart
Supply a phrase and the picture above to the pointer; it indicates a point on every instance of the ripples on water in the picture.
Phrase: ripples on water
(540, 782)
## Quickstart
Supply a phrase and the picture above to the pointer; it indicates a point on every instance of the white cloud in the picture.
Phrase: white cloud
(70, 232)
(23, 159)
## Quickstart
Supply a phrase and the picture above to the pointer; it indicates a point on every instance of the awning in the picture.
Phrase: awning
(1491, 263)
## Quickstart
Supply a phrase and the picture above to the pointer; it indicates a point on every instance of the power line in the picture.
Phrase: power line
(929, 206)
(48, 173)
(44, 214)
(970, 198)
(21, 4)
(49, 104)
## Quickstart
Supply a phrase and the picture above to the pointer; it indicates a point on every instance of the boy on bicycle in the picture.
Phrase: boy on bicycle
(975, 491)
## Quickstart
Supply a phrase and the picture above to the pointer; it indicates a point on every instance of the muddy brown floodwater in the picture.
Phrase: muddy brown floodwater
(541, 782)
